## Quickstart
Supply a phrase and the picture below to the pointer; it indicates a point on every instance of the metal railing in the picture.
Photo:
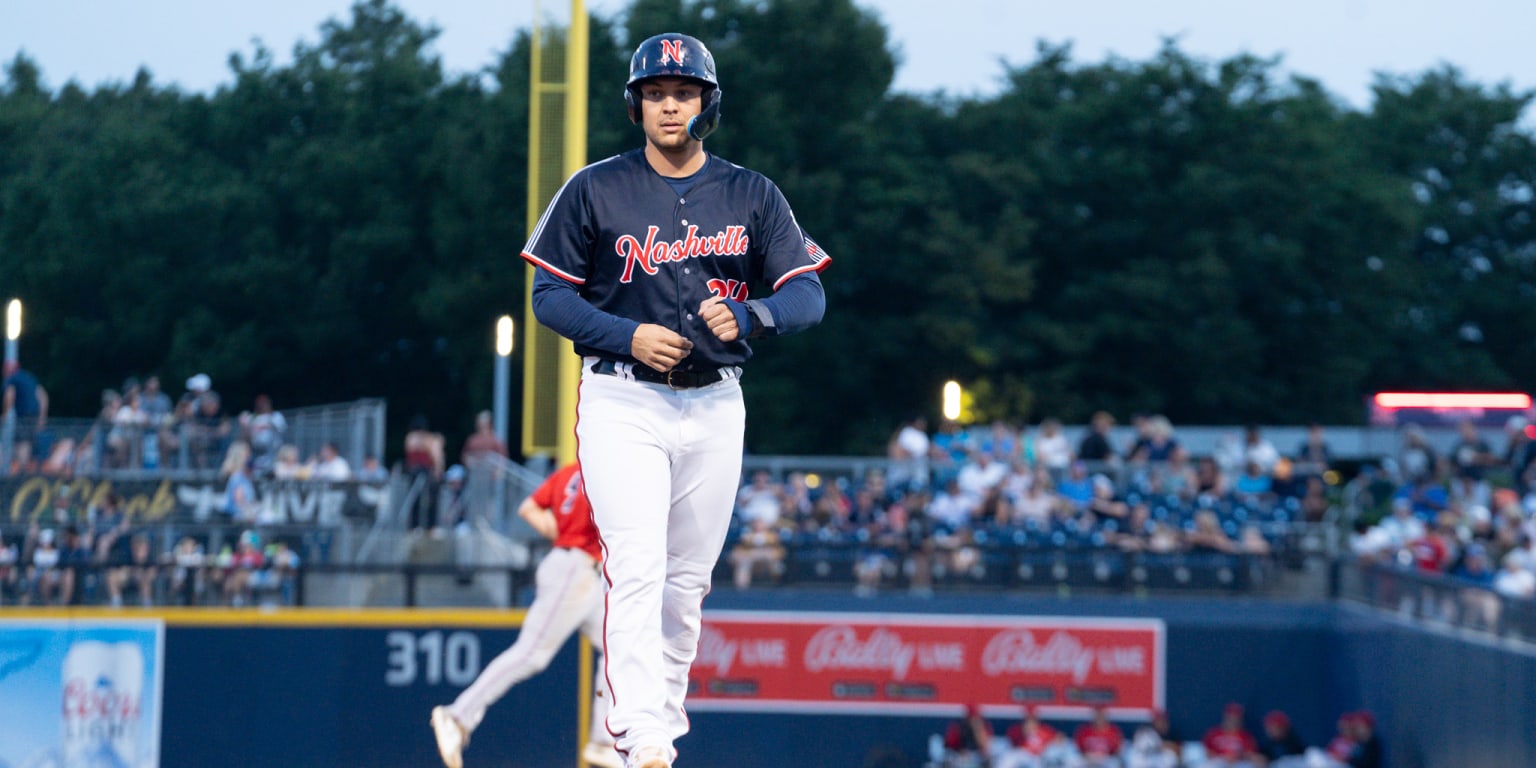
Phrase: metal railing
(1438, 600)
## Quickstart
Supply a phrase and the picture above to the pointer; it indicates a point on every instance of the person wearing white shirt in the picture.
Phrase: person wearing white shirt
(1514, 580)
(330, 466)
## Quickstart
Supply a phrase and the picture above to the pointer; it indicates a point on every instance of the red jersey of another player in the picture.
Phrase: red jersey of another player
(1036, 741)
(563, 493)
(1098, 739)
(1229, 745)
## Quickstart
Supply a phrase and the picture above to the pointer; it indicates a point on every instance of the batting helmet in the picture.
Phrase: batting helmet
(676, 55)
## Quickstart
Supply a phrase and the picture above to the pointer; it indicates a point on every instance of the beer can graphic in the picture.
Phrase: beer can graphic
(102, 708)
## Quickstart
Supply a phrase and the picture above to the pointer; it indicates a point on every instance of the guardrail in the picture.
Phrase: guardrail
(1438, 600)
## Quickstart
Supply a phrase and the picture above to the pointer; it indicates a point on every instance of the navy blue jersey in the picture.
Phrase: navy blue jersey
(636, 249)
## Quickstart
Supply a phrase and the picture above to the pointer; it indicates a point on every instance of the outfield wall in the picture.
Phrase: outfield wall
(353, 688)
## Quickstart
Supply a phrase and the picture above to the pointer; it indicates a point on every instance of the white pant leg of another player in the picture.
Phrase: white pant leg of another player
(592, 629)
(626, 435)
(709, 468)
(566, 587)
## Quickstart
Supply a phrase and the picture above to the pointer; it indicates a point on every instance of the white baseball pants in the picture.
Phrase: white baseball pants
(568, 596)
(661, 468)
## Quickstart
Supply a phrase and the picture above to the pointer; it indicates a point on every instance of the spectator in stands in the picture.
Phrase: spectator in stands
(1514, 579)
(1208, 536)
(1076, 488)
(1519, 452)
(483, 441)
(887, 542)
(372, 471)
(1280, 739)
(947, 452)
(1148, 750)
(1002, 443)
(1160, 438)
(1141, 436)
(1028, 741)
(43, 574)
(1229, 743)
(330, 466)
(1417, 460)
(23, 399)
(761, 499)
(1471, 455)
(1039, 502)
(452, 501)
(980, 474)
(797, 497)
(1284, 483)
(110, 530)
(1210, 481)
(1136, 534)
(240, 502)
(246, 561)
(908, 451)
(758, 553)
(286, 464)
(995, 510)
(281, 573)
(1368, 752)
(1095, 447)
(1477, 606)
(1343, 745)
(1163, 727)
(1257, 449)
(139, 570)
(263, 429)
(125, 438)
(1254, 485)
(1099, 740)
(1105, 501)
(188, 577)
(424, 465)
(77, 566)
(951, 507)
(209, 432)
(1176, 477)
(1433, 551)
(968, 740)
(1051, 449)
(1313, 456)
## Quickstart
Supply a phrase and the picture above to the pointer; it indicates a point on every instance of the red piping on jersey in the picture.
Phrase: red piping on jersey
(817, 267)
(544, 265)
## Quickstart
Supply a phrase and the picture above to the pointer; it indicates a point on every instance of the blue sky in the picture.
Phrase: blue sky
(954, 45)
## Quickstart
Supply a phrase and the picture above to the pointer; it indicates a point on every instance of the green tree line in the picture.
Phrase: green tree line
(1209, 240)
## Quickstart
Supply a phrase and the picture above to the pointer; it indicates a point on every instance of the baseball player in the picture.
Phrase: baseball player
(568, 597)
(645, 262)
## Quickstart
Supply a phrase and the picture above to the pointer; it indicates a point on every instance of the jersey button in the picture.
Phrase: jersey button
(685, 222)
(687, 271)
(690, 316)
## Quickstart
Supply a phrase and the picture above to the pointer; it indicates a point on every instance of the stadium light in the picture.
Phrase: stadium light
(1497, 400)
(13, 320)
(951, 400)
(504, 336)
(502, 388)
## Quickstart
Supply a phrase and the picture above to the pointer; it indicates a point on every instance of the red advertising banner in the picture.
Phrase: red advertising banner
(924, 664)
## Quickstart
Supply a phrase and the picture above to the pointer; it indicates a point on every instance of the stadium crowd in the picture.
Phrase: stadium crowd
(949, 495)
(970, 741)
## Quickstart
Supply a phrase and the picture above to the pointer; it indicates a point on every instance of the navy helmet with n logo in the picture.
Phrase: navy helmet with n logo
(676, 55)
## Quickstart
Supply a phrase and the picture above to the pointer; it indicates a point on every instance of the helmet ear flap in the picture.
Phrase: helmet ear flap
(632, 104)
(708, 119)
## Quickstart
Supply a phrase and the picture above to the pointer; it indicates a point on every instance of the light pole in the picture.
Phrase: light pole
(12, 329)
(8, 424)
(503, 375)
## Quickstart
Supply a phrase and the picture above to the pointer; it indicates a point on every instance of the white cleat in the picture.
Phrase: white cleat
(601, 756)
(650, 757)
(451, 738)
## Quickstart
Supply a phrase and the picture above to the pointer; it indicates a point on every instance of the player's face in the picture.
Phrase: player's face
(666, 106)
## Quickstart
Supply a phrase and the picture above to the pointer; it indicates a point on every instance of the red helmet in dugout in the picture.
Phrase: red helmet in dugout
(673, 54)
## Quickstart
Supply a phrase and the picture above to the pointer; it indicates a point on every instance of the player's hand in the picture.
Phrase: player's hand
(659, 347)
(721, 320)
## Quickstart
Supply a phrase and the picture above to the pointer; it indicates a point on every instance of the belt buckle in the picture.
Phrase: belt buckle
(669, 379)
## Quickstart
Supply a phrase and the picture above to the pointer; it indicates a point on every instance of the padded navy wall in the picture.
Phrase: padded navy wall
(317, 696)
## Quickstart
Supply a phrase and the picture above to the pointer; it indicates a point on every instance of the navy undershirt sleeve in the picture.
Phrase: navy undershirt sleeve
(557, 304)
(797, 305)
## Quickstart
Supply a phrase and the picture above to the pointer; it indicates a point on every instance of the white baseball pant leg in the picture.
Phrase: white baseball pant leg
(661, 468)
(568, 595)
